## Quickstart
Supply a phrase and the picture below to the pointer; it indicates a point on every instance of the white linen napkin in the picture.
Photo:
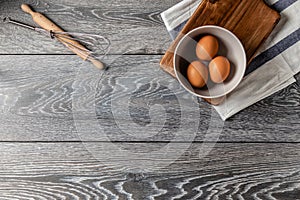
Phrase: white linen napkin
(275, 64)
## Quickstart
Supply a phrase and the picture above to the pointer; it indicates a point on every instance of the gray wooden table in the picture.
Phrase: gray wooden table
(69, 131)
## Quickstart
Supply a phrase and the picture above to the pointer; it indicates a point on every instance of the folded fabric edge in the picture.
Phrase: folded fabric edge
(179, 13)
(174, 14)
(275, 89)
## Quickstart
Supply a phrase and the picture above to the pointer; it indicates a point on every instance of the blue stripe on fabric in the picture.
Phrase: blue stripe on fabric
(274, 51)
(270, 53)
(174, 33)
(281, 5)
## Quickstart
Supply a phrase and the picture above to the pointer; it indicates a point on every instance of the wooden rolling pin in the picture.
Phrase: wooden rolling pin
(48, 25)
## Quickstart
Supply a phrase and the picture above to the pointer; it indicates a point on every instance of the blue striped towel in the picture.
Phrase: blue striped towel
(275, 64)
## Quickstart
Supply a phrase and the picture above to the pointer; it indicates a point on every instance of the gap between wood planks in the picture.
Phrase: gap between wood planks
(145, 142)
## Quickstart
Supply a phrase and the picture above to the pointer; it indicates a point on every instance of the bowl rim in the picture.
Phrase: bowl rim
(239, 43)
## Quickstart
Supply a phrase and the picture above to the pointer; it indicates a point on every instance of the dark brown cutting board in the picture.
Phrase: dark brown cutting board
(251, 21)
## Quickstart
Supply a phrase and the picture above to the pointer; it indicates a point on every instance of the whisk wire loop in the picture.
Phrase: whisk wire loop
(87, 46)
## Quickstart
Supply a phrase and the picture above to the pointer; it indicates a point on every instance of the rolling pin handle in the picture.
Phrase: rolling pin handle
(97, 63)
(26, 8)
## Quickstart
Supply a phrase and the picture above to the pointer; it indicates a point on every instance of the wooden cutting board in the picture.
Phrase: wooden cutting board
(251, 21)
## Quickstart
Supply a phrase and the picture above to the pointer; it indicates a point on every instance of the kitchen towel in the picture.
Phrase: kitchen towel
(274, 65)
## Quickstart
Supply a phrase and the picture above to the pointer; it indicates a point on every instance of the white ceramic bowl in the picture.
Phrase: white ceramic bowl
(229, 46)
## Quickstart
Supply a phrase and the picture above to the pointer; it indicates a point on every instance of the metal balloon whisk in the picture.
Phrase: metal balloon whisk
(86, 46)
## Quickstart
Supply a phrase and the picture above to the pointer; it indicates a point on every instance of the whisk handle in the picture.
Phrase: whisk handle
(48, 25)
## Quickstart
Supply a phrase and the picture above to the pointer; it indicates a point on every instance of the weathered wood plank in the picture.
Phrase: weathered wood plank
(60, 98)
(56, 98)
(136, 24)
(229, 171)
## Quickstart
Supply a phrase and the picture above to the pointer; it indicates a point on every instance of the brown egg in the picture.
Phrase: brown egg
(207, 47)
(197, 74)
(219, 69)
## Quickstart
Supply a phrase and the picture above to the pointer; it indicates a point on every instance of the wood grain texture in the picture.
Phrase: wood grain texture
(251, 21)
(38, 94)
(45, 100)
(128, 24)
(230, 171)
